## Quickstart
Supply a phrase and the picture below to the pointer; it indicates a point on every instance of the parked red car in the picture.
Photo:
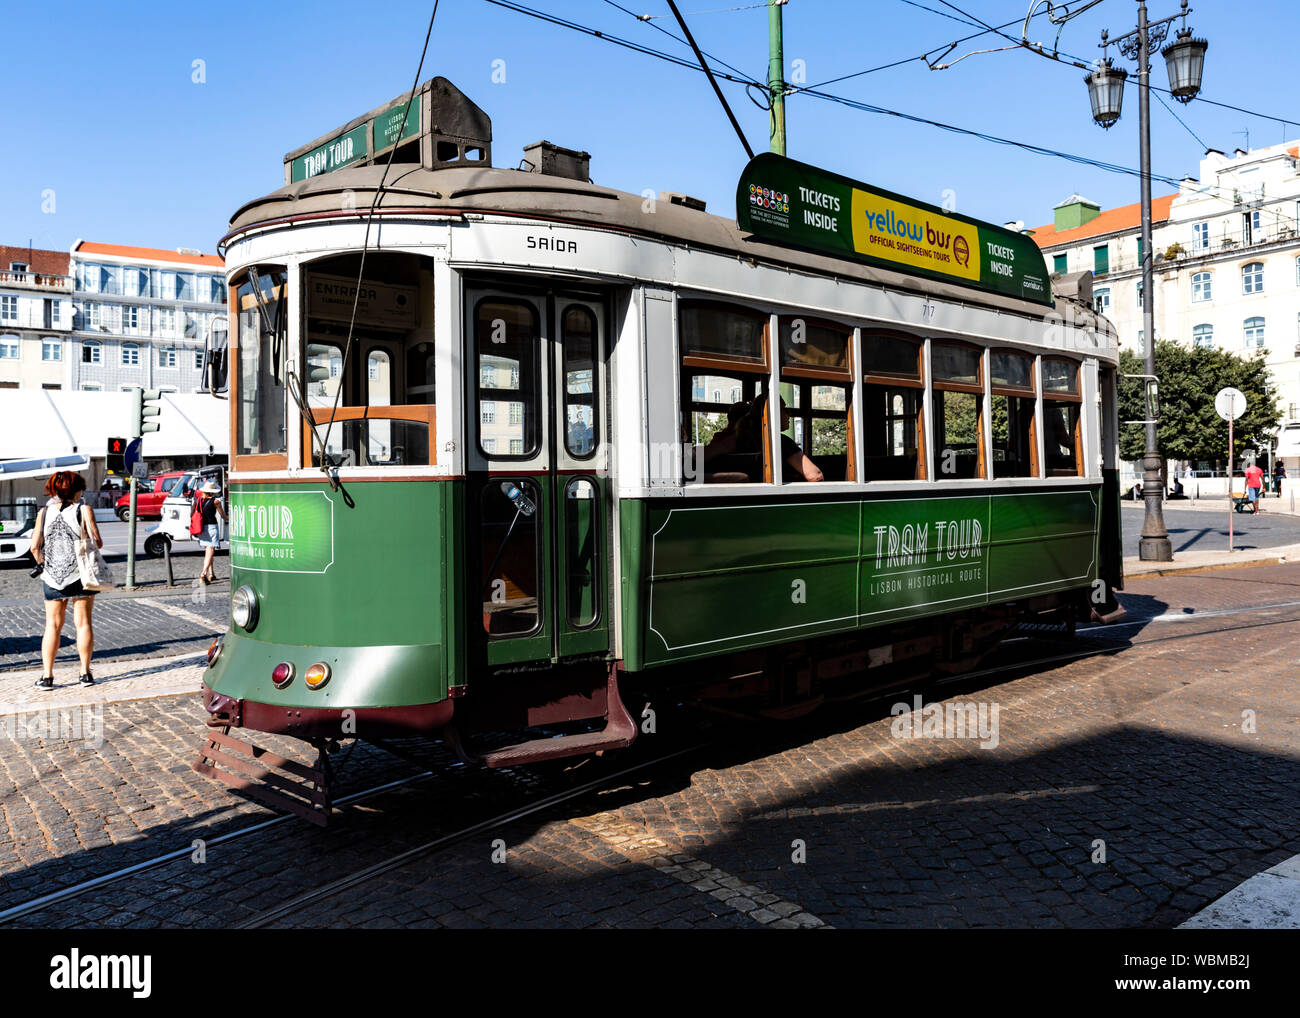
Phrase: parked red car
(148, 501)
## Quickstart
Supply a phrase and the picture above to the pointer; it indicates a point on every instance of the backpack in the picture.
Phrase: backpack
(196, 518)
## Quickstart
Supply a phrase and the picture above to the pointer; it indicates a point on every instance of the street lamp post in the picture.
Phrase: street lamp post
(1185, 59)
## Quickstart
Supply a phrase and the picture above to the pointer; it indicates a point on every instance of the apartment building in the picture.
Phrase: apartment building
(142, 316)
(1227, 265)
(35, 318)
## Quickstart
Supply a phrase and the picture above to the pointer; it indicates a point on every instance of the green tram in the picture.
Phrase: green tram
(551, 466)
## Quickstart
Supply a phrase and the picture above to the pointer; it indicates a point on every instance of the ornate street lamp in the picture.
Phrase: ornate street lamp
(1185, 60)
(1106, 90)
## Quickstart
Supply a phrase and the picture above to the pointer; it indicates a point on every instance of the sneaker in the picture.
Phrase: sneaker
(87, 679)
(45, 682)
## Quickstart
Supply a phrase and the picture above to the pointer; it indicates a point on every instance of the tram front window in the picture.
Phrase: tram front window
(263, 348)
(369, 358)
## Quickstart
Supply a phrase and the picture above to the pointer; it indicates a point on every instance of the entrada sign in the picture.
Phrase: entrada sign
(792, 203)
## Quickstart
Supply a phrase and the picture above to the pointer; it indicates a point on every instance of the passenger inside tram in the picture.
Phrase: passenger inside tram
(743, 436)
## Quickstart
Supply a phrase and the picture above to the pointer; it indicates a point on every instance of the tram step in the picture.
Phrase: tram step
(619, 732)
(304, 792)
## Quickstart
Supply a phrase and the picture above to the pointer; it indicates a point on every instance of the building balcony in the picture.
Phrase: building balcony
(36, 281)
(1178, 256)
(31, 316)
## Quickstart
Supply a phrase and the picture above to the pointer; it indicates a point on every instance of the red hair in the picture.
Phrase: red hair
(65, 484)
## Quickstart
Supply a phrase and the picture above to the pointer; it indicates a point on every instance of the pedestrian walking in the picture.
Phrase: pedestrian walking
(1254, 482)
(208, 505)
(59, 528)
(1279, 475)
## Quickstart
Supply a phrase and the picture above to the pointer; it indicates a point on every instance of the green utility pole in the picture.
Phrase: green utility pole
(776, 75)
(776, 94)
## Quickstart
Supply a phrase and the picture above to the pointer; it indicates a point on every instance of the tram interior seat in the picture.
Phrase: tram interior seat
(833, 468)
(735, 468)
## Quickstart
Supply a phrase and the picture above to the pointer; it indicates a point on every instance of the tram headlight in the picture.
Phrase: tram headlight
(243, 608)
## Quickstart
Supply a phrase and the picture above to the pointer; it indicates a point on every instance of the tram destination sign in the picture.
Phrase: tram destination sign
(357, 144)
(798, 205)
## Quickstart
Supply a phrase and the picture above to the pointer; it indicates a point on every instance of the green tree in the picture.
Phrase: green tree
(1189, 427)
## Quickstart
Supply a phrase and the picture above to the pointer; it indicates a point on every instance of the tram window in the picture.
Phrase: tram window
(420, 386)
(507, 338)
(582, 551)
(893, 391)
(958, 410)
(579, 338)
(719, 330)
(263, 342)
(509, 555)
(811, 345)
(1015, 449)
(1062, 434)
(819, 429)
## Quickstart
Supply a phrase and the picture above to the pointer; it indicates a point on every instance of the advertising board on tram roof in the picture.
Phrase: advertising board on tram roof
(792, 203)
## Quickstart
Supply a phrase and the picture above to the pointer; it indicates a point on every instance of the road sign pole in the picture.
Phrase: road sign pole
(130, 540)
(1231, 508)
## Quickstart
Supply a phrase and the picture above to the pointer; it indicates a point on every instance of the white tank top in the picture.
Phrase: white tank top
(62, 532)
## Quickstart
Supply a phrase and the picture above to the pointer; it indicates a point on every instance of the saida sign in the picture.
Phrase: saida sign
(791, 203)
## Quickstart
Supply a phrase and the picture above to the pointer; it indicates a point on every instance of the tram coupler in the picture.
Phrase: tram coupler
(271, 779)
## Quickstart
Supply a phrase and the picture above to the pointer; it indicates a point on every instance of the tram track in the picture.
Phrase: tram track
(444, 841)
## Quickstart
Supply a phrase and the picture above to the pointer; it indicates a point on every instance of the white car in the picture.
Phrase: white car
(175, 522)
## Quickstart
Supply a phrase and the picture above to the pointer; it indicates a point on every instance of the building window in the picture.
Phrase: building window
(1250, 227)
(516, 413)
(516, 447)
(18, 267)
(488, 412)
(198, 360)
(167, 321)
(90, 352)
(9, 347)
(1254, 331)
(56, 311)
(8, 308)
(1101, 259)
(1203, 337)
(1139, 293)
(1059, 264)
(1252, 278)
(91, 387)
(1201, 287)
(489, 445)
(90, 276)
(51, 349)
(167, 356)
(130, 318)
(1200, 236)
(130, 353)
(1101, 300)
(1297, 272)
(336, 367)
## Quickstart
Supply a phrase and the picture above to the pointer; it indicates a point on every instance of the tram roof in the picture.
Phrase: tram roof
(526, 193)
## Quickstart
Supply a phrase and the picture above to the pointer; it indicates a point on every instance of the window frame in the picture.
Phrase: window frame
(540, 402)
(1206, 287)
(1017, 392)
(1255, 269)
(1247, 327)
(977, 389)
(807, 378)
(923, 471)
(1056, 396)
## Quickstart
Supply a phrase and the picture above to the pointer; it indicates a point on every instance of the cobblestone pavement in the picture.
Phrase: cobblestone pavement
(150, 574)
(1200, 530)
(1128, 789)
(126, 627)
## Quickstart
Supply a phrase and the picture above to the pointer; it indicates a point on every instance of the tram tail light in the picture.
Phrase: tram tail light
(282, 674)
(214, 651)
(317, 675)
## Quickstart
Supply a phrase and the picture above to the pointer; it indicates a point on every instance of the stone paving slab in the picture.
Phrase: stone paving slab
(1267, 901)
(116, 680)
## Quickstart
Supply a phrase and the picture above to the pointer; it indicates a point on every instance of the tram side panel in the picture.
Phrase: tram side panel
(739, 575)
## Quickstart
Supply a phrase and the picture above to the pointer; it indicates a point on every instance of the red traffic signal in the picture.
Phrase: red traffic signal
(115, 461)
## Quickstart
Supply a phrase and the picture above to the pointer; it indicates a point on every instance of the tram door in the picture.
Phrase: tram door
(537, 500)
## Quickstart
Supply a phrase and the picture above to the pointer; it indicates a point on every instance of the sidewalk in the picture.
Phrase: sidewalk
(1267, 901)
(115, 681)
(1209, 559)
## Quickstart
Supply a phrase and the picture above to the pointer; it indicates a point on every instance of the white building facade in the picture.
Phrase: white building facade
(35, 319)
(1227, 266)
(142, 316)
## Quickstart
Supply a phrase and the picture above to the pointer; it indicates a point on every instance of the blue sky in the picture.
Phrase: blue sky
(101, 107)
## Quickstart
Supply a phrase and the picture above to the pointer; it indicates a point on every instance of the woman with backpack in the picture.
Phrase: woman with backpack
(205, 510)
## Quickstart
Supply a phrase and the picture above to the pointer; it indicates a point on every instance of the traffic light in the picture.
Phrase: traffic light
(146, 407)
(116, 462)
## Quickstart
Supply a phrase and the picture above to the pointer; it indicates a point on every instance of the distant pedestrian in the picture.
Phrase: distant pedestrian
(1254, 482)
(208, 505)
(59, 526)
(1279, 475)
